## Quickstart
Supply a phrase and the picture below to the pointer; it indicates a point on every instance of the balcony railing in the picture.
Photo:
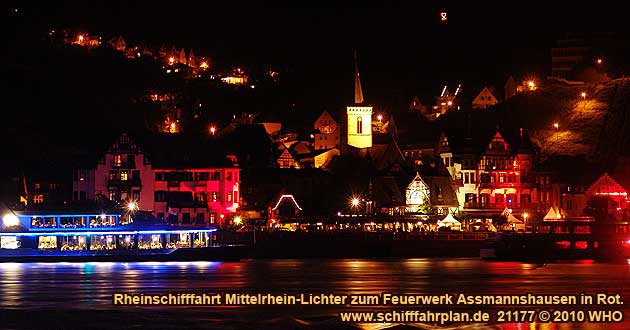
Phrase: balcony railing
(525, 205)
(173, 184)
(130, 165)
(501, 185)
(135, 182)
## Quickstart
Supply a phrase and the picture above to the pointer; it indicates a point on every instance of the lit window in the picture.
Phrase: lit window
(214, 196)
(47, 242)
(124, 175)
(38, 199)
(37, 186)
(117, 160)
(229, 197)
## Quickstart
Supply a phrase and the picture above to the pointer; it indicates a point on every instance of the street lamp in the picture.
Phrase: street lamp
(132, 206)
(355, 202)
(525, 215)
(380, 118)
(556, 126)
(583, 94)
(238, 220)
(10, 220)
(531, 84)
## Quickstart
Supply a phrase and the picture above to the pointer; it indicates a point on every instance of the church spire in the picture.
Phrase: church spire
(358, 92)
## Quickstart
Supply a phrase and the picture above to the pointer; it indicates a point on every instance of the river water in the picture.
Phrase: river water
(79, 295)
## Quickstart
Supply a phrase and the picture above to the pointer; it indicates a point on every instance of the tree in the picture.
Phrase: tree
(499, 220)
(425, 207)
(599, 207)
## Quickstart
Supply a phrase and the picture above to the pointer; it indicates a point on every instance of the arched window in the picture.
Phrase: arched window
(359, 125)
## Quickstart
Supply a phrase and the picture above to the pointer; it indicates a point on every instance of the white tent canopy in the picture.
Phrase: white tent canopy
(513, 219)
(553, 214)
(449, 221)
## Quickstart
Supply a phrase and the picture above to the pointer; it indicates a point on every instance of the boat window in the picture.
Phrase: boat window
(149, 242)
(581, 245)
(43, 222)
(562, 244)
(102, 221)
(79, 222)
(125, 219)
(126, 242)
(178, 241)
(201, 240)
(9, 242)
(66, 222)
(47, 242)
(582, 229)
(102, 242)
(561, 230)
(73, 243)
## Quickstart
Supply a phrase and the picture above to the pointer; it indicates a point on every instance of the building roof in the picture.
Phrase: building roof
(184, 151)
(475, 137)
(442, 192)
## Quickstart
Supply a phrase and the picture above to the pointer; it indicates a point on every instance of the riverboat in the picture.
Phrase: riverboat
(566, 239)
(96, 236)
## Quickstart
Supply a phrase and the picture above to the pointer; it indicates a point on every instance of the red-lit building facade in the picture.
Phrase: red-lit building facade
(181, 189)
(491, 176)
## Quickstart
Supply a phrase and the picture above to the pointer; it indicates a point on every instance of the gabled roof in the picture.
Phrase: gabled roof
(417, 178)
(325, 114)
(480, 138)
(487, 91)
(605, 184)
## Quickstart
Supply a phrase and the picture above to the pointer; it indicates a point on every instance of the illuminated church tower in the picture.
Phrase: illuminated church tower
(359, 116)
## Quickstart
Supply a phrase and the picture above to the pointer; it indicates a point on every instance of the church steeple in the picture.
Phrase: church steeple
(359, 125)
(358, 92)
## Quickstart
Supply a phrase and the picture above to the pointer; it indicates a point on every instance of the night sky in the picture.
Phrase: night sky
(403, 47)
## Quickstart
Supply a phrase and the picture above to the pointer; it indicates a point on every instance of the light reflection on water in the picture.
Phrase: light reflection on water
(82, 292)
